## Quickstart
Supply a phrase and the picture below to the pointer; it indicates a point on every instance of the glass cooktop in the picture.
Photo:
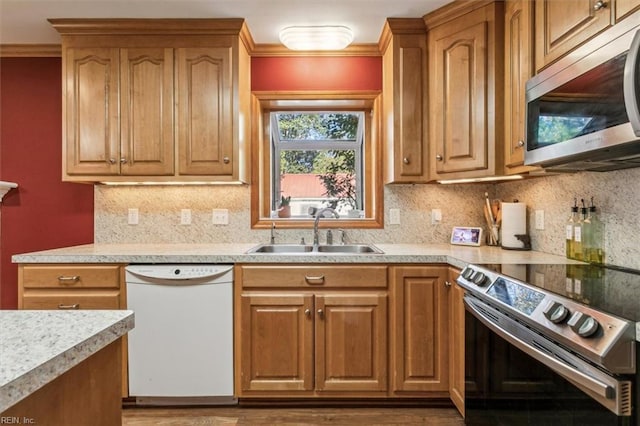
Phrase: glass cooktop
(610, 289)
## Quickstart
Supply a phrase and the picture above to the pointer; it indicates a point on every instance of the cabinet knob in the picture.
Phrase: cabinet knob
(123, 160)
(406, 160)
(226, 160)
(112, 161)
(447, 283)
(439, 157)
(307, 312)
(599, 5)
(520, 144)
(320, 313)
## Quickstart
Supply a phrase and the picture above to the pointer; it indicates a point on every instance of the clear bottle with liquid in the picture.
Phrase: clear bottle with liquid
(593, 232)
(573, 218)
(578, 227)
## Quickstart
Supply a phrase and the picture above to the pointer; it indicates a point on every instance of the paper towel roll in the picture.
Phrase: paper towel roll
(514, 221)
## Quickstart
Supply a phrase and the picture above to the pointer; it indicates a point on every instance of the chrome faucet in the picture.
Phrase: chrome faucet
(320, 214)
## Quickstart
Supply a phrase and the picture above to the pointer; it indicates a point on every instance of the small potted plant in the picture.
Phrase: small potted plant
(284, 209)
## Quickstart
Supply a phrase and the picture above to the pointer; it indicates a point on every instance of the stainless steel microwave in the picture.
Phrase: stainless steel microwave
(583, 112)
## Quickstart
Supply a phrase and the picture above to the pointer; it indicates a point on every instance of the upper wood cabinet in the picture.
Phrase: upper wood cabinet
(563, 25)
(404, 66)
(466, 90)
(625, 7)
(155, 100)
(518, 52)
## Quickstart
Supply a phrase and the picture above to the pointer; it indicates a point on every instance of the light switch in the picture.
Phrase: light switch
(132, 217)
(394, 216)
(436, 216)
(539, 219)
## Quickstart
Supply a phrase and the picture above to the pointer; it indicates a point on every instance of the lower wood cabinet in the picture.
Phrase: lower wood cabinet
(419, 321)
(298, 335)
(456, 342)
(74, 286)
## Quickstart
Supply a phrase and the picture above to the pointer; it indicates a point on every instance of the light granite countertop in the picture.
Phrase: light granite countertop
(38, 346)
(457, 256)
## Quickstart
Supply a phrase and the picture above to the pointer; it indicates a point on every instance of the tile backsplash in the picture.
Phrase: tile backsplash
(615, 193)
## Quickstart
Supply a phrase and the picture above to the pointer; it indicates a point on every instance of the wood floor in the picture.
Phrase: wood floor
(290, 416)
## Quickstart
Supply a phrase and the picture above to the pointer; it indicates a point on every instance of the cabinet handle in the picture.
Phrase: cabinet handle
(599, 5)
(226, 160)
(520, 144)
(406, 160)
(307, 312)
(439, 157)
(123, 160)
(68, 280)
(74, 306)
(447, 283)
(112, 161)
(314, 280)
(320, 313)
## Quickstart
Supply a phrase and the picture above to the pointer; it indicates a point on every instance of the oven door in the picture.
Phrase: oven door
(516, 377)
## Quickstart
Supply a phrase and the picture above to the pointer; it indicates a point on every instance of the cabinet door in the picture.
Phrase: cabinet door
(204, 115)
(564, 25)
(91, 114)
(276, 342)
(419, 343)
(465, 124)
(625, 7)
(404, 107)
(456, 343)
(351, 342)
(146, 110)
(518, 69)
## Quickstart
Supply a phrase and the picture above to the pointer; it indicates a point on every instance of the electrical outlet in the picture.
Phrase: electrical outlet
(133, 217)
(394, 216)
(540, 219)
(436, 216)
(220, 216)
(185, 217)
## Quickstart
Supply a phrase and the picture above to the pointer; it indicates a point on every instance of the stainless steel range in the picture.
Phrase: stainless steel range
(560, 318)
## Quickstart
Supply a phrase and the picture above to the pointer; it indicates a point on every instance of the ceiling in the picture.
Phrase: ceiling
(25, 21)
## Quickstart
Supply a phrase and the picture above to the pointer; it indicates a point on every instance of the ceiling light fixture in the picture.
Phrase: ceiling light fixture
(316, 37)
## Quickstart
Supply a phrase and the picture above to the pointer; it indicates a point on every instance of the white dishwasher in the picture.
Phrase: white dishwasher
(181, 349)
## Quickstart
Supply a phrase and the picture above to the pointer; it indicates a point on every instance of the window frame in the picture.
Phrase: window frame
(264, 103)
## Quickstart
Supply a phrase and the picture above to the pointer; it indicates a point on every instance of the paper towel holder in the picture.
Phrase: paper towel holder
(526, 240)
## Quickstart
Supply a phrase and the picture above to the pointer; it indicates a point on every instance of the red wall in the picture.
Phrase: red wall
(316, 73)
(43, 212)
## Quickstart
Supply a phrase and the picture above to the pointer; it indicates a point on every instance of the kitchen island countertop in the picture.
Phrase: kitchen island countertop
(37, 347)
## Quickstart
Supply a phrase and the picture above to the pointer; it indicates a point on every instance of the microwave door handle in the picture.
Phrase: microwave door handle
(632, 84)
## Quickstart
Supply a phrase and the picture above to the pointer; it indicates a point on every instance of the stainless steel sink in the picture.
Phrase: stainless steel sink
(281, 248)
(349, 248)
(300, 248)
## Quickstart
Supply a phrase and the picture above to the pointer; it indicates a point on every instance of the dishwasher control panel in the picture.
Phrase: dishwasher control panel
(178, 271)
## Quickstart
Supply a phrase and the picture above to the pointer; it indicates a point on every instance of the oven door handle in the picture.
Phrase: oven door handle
(594, 385)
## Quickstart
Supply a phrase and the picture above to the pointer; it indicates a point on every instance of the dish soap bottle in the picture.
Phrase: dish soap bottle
(569, 229)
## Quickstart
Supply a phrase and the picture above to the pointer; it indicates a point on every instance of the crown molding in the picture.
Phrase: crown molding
(30, 50)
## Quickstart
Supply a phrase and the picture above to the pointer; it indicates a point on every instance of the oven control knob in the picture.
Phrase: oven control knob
(583, 325)
(479, 279)
(466, 274)
(556, 312)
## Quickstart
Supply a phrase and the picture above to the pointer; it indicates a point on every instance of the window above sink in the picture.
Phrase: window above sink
(316, 150)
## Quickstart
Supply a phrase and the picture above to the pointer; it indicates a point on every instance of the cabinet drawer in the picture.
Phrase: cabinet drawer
(76, 299)
(71, 276)
(314, 276)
